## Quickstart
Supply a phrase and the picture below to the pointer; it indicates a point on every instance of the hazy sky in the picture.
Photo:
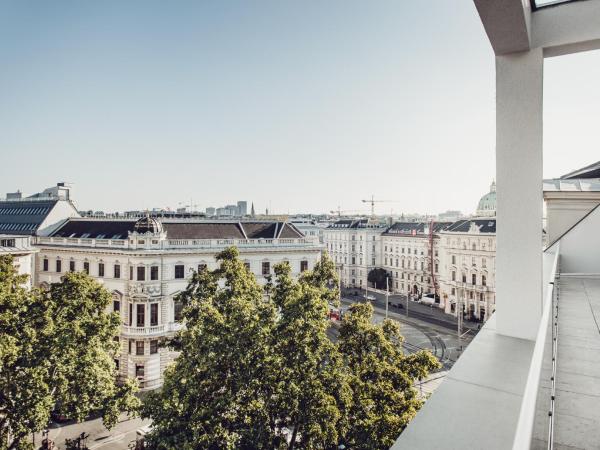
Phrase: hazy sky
(302, 106)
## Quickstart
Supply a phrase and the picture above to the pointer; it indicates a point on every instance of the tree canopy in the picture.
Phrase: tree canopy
(257, 370)
(377, 276)
(57, 350)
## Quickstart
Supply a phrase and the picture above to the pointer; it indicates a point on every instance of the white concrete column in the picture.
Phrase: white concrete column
(519, 95)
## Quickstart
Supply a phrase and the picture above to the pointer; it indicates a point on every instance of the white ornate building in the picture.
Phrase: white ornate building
(355, 246)
(146, 263)
(468, 267)
(409, 249)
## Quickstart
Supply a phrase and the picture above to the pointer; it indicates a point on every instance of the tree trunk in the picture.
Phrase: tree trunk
(293, 439)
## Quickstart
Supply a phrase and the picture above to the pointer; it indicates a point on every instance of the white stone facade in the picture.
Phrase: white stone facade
(19, 247)
(355, 247)
(145, 272)
(468, 268)
(407, 257)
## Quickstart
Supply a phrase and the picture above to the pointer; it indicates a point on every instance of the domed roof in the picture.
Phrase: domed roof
(147, 225)
(487, 204)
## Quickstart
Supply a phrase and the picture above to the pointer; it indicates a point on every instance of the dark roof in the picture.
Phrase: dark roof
(24, 217)
(354, 223)
(463, 226)
(119, 229)
(416, 228)
(95, 229)
(591, 171)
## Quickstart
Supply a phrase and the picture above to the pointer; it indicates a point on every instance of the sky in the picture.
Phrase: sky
(295, 106)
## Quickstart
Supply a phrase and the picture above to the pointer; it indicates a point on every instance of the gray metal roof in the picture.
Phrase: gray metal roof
(24, 217)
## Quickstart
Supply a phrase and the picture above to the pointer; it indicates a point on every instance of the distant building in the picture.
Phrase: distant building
(210, 211)
(38, 214)
(450, 216)
(355, 246)
(242, 208)
(408, 251)
(487, 204)
(468, 267)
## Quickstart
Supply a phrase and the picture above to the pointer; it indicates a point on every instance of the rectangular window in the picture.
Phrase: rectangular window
(453, 291)
(130, 314)
(202, 267)
(483, 280)
(464, 277)
(116, 305)
(247, 265)
(139, 370)
(86, 267)
(129, 345)
(303, 266)
(473, 279)
(131, 272)
(72, 266)
(58, 265)
(141, 273)
(153, 347)
(116, 364)
(140, 315)
(179, 271)
(154, 273)
(100, 269)
(153, 314)
(266, 268)
(117, 271)
(453, 259)
(453, 276)
(177, 308)
(45, 263)
(139, 347)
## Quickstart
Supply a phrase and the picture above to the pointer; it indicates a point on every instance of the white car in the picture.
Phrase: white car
(370, 297)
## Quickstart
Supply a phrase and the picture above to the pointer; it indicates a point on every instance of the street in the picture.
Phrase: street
(121, 437)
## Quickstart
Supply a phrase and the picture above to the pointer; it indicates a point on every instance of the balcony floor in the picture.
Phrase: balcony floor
(577, 405)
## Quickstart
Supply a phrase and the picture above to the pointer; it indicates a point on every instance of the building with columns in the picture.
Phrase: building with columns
(145, 263)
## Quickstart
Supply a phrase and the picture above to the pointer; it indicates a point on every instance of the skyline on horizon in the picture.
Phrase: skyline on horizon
(143, 106)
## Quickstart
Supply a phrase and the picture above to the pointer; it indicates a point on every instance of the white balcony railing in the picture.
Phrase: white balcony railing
(180, 243)
(151, 330)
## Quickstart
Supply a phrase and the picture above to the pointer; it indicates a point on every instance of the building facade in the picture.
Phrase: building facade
(355, 247)
(146, 263)
(468, 268)
(411, 256)
(20, 248)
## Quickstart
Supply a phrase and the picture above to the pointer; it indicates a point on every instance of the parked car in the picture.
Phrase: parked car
(370, 297)
(396, 305)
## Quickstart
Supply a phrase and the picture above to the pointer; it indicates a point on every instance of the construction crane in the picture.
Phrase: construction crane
(372, 201)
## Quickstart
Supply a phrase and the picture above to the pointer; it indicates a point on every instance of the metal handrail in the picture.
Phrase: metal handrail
(525, 422)
(551, 412)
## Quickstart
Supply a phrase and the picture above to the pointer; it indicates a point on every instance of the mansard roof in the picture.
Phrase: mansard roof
(354, 223)
(414, 228)
(95, 229)
(464, 226)
(24, 217)
(179, 229)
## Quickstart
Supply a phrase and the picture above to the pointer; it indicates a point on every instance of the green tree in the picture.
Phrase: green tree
(257, 370)
(316, 393)
(215, 395)
(378, 276)
(381, 378)
(57, 349)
